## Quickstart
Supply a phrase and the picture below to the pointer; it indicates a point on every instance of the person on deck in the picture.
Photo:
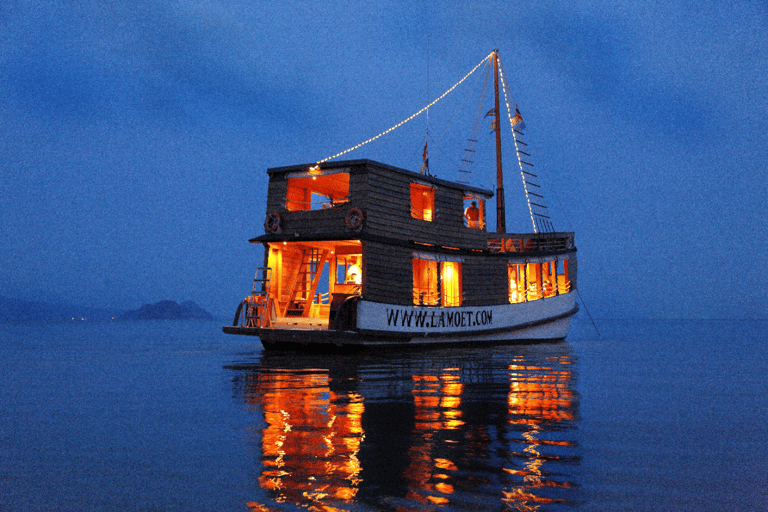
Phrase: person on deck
(354, 275)
(472, 214)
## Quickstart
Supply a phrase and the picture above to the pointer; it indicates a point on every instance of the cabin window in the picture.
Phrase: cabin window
(548, 279)
(474, 212)
(425, 283)
(317, 192)
(450, 280)
(348, 269)
(516, 275)
(422, 202)
(563, 281)
(437, 283)
(532, 281)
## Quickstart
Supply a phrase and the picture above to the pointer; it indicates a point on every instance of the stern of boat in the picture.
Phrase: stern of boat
(259, 314)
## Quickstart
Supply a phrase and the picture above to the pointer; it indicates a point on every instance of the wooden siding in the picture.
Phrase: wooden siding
(573, 269)
(387, 274)
(387, 205)
(485, 281)
(276, 191)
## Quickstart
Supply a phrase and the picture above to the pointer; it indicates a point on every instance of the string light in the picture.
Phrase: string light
(517, 148)
(398, 125)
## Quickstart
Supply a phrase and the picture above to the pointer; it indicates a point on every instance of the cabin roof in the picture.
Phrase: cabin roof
(371, 163)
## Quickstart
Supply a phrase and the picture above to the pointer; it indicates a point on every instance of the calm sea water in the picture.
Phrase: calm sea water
(175, 415)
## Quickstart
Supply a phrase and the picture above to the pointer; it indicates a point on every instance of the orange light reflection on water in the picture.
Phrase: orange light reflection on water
(311, 441)
(313, 437)
(538, 396)
(437, 400)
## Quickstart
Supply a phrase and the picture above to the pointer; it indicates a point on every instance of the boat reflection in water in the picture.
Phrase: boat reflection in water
(458, 430)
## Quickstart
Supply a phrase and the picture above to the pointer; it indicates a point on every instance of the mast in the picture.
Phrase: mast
(501, 223)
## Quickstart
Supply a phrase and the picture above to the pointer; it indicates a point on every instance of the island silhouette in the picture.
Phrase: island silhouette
(168, 310)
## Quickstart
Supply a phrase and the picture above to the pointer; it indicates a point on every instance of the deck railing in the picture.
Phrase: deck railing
(426, 298)
(421, 298)
(530, 243)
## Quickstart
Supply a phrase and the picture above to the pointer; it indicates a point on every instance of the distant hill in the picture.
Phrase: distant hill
(168, 309)
(29, 310)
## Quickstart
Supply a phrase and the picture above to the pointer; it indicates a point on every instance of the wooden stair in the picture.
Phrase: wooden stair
(305, 282)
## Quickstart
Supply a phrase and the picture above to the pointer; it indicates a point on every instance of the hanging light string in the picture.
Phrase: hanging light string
(517, 148)
(401, 123)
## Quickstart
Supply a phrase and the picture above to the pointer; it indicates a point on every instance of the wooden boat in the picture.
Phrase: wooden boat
(360, 254)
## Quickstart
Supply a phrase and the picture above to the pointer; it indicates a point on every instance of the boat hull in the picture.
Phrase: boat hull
(382, 325)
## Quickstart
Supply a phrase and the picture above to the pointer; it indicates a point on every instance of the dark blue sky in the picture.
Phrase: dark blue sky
(135, 136)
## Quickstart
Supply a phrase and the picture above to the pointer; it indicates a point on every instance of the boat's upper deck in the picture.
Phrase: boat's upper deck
(363, 199)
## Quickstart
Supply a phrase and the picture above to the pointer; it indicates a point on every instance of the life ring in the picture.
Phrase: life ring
(273, 223)
(354, 219)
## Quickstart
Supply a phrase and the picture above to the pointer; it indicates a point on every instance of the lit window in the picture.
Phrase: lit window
(516, 275)
(436, 283)
(531, 281)
(317, 192)
(474, 212)
(563, 281)
(548, 278)
(425, 283)
(422, 202)
(451, 283)
(348, 269)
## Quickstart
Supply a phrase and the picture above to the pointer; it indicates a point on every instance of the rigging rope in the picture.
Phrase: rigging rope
(410, 118)
(468, 159)
(455, 115)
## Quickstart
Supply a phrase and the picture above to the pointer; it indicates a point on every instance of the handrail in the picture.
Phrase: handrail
(436, 299)
(531, 243)
(417, 213)
(533, 292)
(426, 299)
(295, 205)
(255, 307)
(474, 224)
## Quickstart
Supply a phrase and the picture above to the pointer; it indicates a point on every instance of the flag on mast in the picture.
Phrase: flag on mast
(517, 121)
(425, 160)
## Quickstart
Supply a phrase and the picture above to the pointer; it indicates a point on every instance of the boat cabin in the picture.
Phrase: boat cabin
(364, 229)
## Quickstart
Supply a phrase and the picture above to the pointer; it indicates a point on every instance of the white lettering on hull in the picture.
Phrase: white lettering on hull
(376, 316)
(432, 320)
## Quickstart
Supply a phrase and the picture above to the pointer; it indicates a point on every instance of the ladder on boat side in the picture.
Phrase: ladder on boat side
(258, 303)
(538, 209)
